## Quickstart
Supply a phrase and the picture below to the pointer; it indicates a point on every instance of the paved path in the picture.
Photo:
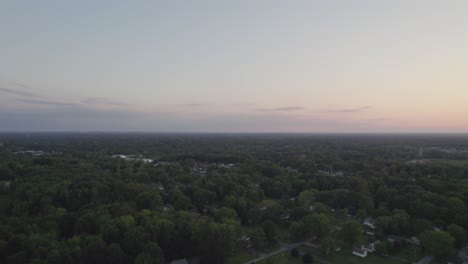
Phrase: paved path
(286, 248)
(283, 248)
(425, 260)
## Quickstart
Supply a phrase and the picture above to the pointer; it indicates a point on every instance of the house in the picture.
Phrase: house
(167, 207)
(370, 248)
(244, 238)
(415, 241)
(5, 184)
(244, 241)
(35, 153)
(463, 255)
(339, 173)
(393, 238)
(369, 223)
(180, 261)
(360, 252)
(285, 217)
(164, 163)
(122, 156)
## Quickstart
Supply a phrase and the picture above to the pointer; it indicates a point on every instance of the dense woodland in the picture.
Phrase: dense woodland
(68, 200)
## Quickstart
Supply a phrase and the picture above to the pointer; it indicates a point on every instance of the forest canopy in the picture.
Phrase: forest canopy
(68, 198)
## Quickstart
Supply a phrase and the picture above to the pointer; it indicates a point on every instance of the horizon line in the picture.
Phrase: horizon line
(224, 132)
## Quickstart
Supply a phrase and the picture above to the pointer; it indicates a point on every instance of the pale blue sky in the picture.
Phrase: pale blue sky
(277, 66)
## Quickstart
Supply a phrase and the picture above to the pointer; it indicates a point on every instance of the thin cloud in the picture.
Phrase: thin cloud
(101, 101)
(350, 110)
(18, 92)
(282, 109)
(378, 119)
(44, 102)
(81, 118)
(242, 104)
(195, 104)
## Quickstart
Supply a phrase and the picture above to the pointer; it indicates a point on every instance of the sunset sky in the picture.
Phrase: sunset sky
(234, 66)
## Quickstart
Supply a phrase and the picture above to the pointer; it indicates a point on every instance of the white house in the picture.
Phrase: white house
(370, 248)
(5, 184)
(415, 241)
(369, 222)
(180, 261)
(360, 252)
(393, 238)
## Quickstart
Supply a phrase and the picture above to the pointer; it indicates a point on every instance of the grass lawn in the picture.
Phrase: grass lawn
(3, 201)
(271, 248)
(283, 258)
(282, 234)
(238, 257)
(242, 255)
(346, 257)
(410, 252)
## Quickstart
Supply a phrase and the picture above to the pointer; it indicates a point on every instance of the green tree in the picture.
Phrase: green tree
(457, 233)
(224, 213)
(144, 258)
(215, 240)
(317, 224)
(133, 241)
(269, 228)
(351, 233)
(154, 252)
(306, 198)
(183, 203)
(116, 254)
(361, 214)
(257, 237)
(148, 200)
(327, 245)
(421, 225)
(296, 230)
(297, 213)
(437, 243)
(381, 248)
(94, 250)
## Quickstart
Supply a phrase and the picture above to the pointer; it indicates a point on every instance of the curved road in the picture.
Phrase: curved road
(425, 260)
(287, 247)
(284, 247)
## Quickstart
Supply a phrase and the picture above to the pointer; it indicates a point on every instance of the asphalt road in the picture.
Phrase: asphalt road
(425, 260)
(283, 248)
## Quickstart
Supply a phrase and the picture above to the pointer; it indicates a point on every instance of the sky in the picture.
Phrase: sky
(234, 66)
